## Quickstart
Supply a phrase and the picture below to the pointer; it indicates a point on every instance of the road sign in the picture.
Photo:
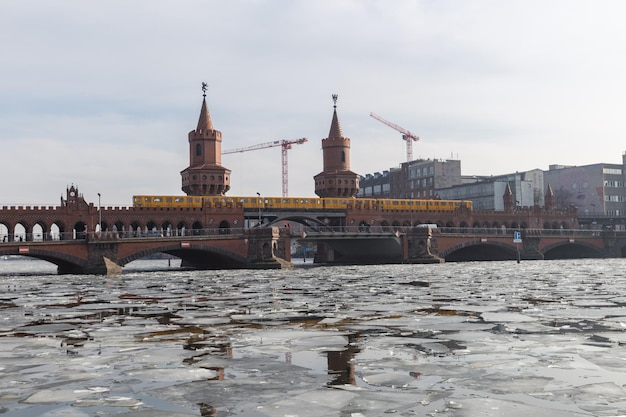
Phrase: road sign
(517, 237)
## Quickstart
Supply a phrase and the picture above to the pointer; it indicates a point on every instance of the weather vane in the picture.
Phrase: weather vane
(335, 97)
(204, 87)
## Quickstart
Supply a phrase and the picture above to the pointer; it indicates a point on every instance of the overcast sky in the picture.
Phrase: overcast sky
(103, 94)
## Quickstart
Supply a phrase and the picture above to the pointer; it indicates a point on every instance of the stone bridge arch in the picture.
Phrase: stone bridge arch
(195, 255)
(66, 263)
(479, 251)
(572, 250)
(305, 220)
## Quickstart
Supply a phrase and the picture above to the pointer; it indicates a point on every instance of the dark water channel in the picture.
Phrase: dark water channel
(542, 338)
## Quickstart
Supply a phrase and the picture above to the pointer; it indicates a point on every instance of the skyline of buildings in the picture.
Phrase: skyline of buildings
(597, 190)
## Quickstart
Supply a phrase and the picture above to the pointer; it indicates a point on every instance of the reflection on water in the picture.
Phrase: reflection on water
(341, 363)
(468, 339)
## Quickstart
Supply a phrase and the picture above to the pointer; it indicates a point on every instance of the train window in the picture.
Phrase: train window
(395, 202)
(286, 201)
(443, 203)
(342, 201)
(168, 199)
(189, 199)
(157, 199)
(178, 200)
(198, 200)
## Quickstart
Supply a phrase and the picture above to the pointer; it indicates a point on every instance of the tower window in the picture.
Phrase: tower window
(198, 149)
(343, 156)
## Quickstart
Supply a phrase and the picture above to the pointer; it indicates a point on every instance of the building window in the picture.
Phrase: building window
(198, 149)
(615, 171)
(343, 156)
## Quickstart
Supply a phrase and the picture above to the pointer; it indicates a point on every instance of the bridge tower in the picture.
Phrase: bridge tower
(336, 180)
(205, 174)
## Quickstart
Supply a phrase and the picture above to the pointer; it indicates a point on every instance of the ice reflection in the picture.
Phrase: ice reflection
(494, 339)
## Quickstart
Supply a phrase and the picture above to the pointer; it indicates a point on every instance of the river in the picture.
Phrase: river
(538, 338)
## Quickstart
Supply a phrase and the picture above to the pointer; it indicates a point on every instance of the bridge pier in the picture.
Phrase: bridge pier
(104, 266)
(101, 260)
(419, 246)
(530, 249)
(269, 247)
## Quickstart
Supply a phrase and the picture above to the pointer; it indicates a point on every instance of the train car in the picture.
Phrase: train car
(298, 203)
(165, 201)
(391, 204)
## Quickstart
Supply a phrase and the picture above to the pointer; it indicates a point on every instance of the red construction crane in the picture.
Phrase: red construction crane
(406, 135)
(285, 146)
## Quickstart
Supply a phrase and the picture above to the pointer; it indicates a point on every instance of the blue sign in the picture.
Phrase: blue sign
(517, 237)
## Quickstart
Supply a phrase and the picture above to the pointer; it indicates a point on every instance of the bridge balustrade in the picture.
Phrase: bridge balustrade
(114, 235)
(457, 230)
(239, 231)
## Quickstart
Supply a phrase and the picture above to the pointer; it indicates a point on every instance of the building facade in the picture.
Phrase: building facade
(420, 178)
(598, 190)
(486, 193)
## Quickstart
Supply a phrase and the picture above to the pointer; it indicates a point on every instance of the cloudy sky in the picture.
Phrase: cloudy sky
(103, 94)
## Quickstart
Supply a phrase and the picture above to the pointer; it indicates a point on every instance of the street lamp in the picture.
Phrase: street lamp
(517, 236)
(99, 215)
(260, 201)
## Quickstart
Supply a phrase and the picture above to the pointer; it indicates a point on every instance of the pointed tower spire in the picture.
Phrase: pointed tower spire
(205, 123)
(507, 198)
(335, 127)
(336, 179)
(548, 199)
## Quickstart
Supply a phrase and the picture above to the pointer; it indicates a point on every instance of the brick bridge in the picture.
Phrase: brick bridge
(80, 237)
(422, 245)
(106, 253)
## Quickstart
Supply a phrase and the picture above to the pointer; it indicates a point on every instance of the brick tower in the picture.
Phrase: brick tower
(205, 174)
(336, 180)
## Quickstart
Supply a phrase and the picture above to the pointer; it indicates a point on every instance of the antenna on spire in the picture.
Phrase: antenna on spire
(335, 97)
(204, 87)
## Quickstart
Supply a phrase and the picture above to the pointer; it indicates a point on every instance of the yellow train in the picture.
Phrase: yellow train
(298, 203)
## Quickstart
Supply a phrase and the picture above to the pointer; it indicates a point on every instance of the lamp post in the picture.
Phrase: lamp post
(260, 201)
(517, 238)
(99, 215)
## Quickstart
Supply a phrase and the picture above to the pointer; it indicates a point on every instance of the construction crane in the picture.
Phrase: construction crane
(285, 146)
(406, 135)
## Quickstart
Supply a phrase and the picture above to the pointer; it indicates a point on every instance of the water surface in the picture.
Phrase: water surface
(465, 339)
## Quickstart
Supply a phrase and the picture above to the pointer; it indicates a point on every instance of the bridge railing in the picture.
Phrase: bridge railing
(511, 231)
(239, 232)
(456, 230)
(115, 235)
